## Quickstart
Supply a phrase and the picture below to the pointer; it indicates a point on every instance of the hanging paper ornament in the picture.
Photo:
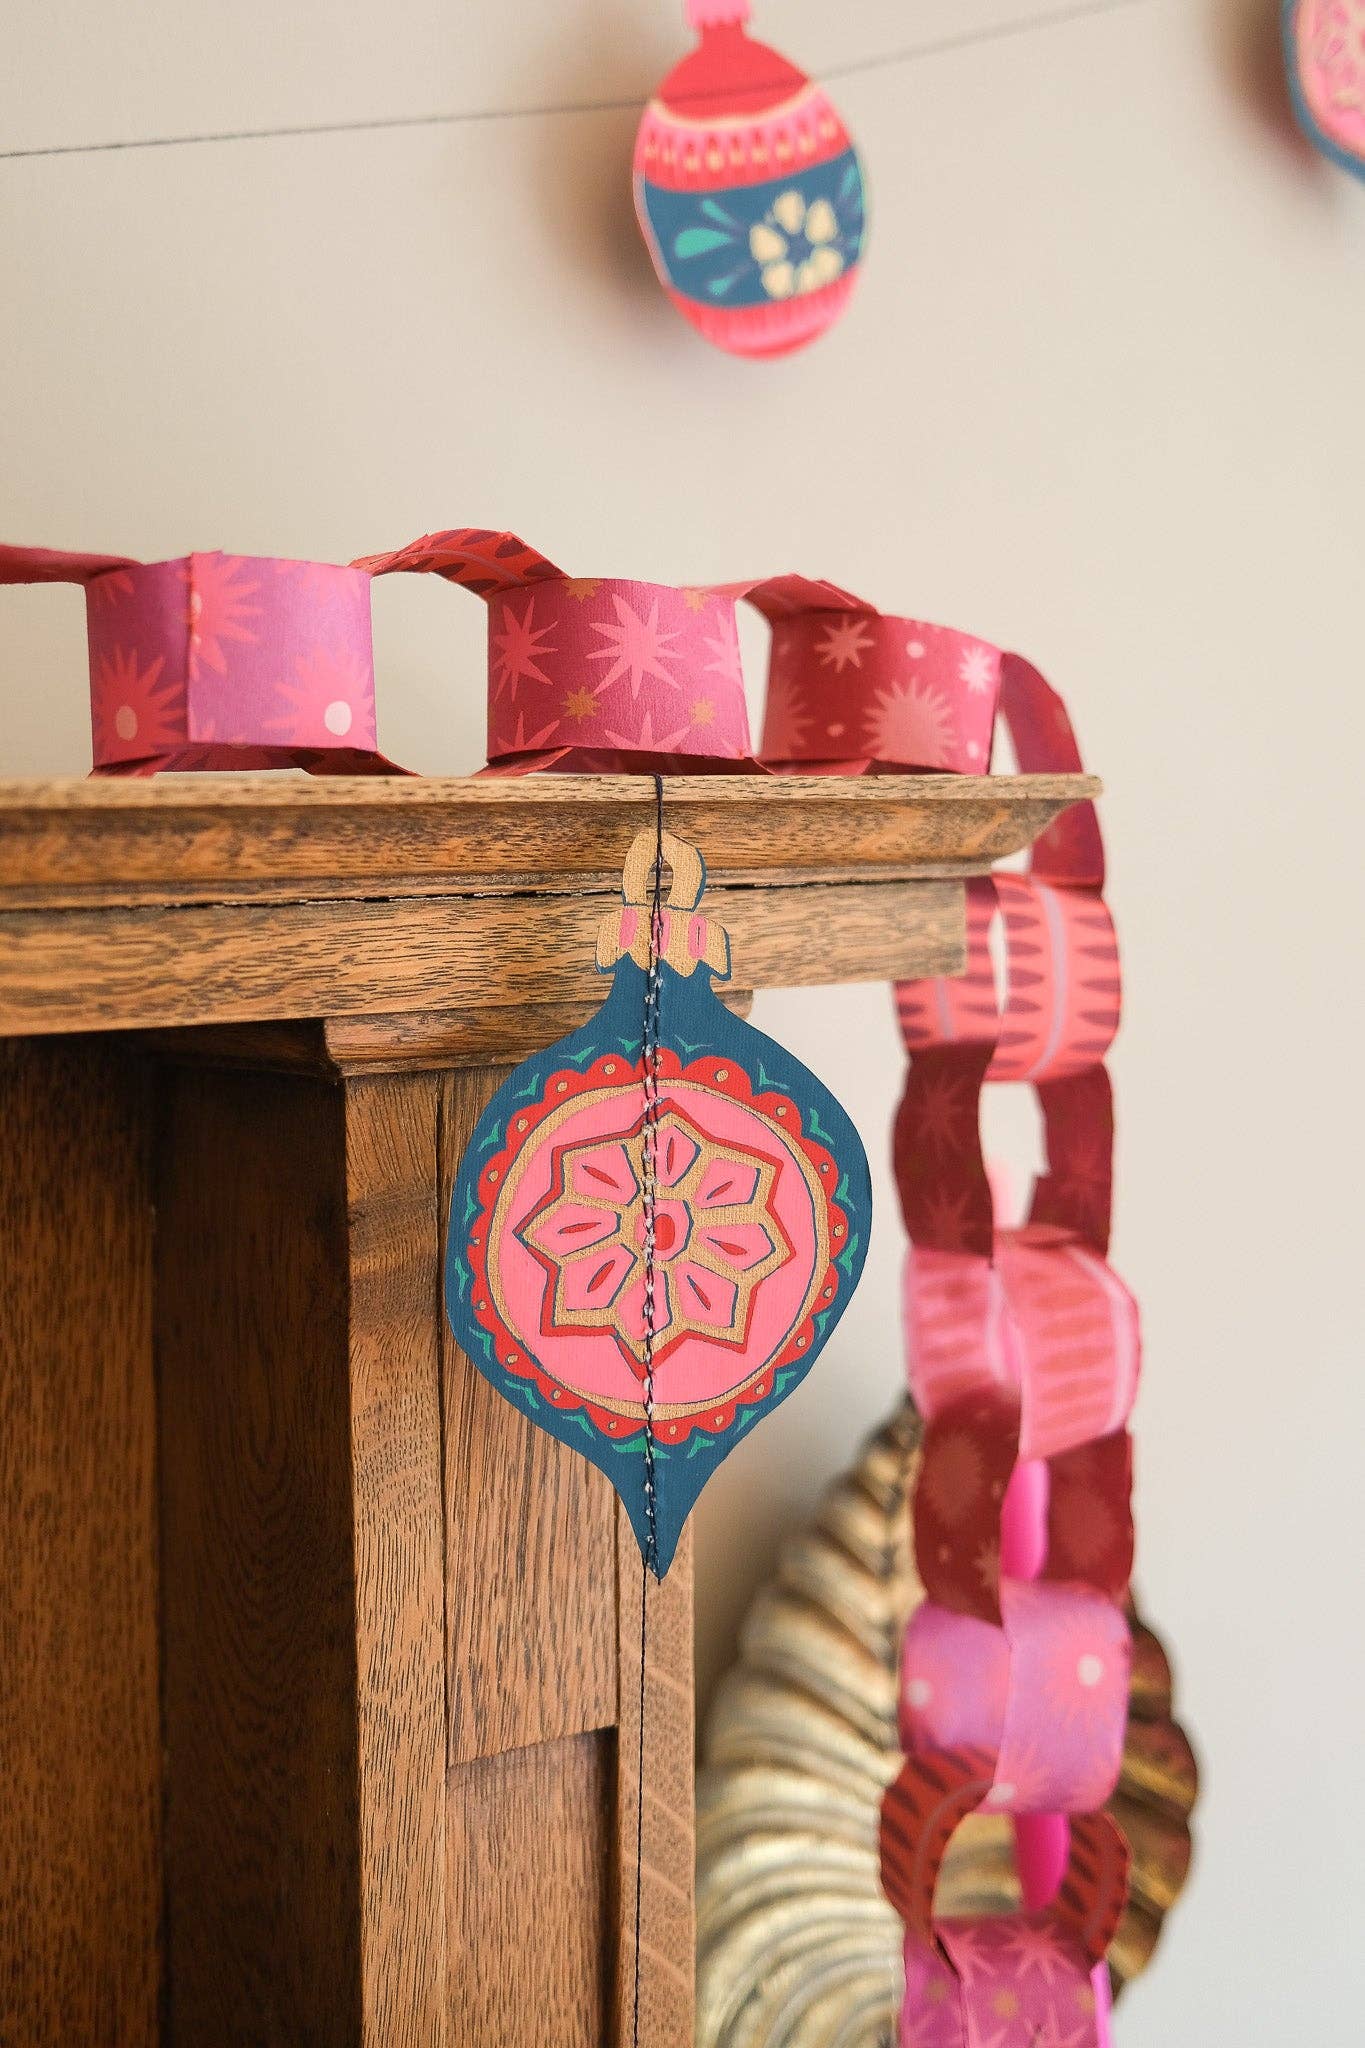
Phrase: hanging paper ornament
(1325, 52)
(660, 1219)
(749, 191)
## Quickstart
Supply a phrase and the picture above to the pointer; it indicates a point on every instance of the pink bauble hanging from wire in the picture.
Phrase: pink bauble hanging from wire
(749, 191)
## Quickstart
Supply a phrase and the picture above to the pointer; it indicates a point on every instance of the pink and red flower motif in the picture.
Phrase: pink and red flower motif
(748, 1233)
(717, 1238)
(221, 610)
(136, 709)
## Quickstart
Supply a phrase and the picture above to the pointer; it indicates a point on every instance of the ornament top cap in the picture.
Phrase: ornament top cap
(678, 936)
(728, 73)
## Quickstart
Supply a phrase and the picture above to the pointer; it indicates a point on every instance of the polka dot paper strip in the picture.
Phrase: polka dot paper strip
(217, 661)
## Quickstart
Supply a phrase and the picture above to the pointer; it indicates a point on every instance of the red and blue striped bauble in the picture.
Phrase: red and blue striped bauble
(749, 191)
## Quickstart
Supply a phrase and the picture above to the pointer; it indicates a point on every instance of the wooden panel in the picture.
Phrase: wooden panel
(80, 1853)
(530, 1887)
(260, 1673)
(663, 1830)
(463, 1038)
(425, 1039)
(180, 839)
(391, 1175)
(531, 1544)
(201, 964)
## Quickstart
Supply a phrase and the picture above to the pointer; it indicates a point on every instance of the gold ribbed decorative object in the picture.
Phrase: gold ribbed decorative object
(796, 1947)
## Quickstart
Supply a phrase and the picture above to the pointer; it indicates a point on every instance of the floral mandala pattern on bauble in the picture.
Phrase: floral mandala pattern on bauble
(759, 1200)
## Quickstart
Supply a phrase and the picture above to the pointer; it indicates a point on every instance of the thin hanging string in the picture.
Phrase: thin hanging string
(649, 1073)
(887, 60)
(649, 1068)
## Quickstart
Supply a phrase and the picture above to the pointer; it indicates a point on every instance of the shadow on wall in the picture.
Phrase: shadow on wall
(1247, 42)
(583, 175)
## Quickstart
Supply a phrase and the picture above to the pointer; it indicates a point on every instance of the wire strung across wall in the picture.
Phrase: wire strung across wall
(858, 67)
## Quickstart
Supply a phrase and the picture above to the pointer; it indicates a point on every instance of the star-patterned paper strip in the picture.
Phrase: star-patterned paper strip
(1324, 43)
(748, 191)
(217, 661)
(760, 1201)
(852, 690)
(595, 674)
(1020, 1982)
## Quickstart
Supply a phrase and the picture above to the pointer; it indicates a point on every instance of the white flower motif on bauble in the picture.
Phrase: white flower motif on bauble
(793, 246)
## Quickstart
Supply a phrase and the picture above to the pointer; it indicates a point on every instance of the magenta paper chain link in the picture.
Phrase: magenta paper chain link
(1023, 1352)
(215, 661)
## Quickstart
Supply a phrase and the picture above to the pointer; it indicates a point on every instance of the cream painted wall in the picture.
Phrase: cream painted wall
(1100, 398)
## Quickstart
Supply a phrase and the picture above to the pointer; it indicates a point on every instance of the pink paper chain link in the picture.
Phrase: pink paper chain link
(1023, 1352)
(214, 661)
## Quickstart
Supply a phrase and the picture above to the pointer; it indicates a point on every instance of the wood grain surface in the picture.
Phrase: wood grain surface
(263, 1878)
(396, 1459)
(398, 1684)
(423, 1040)
(667, 1946)
(175, 839)
(527, 1837)
(80, 1823)
(531, 1543)
(199, 964)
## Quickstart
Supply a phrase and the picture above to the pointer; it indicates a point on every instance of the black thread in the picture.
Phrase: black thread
(640, 1802)
(649, 1075)
(889, 60)
(649, 1153)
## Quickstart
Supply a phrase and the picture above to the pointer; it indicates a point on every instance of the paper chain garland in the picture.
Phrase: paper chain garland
(1324, 44)
(748, 191)
(1023, 1352)
(658, 1221)
(220, 661)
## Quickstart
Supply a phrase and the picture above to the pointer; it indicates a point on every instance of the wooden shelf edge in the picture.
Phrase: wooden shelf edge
(420, 792)
(178, 840)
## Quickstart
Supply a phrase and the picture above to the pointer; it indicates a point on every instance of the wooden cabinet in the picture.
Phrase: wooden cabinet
(318, 1665)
